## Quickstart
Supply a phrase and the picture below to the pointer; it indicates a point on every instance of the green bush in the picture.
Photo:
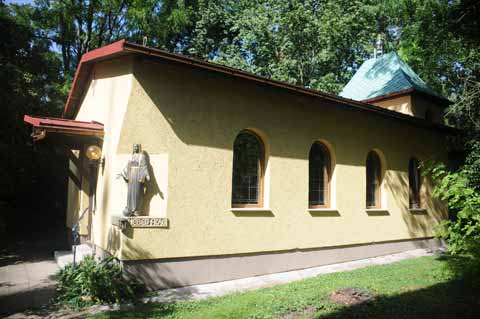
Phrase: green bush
(460, 190)
(95, 282)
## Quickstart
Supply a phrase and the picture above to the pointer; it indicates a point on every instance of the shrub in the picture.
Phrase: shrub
(459, 190)
(94, 282)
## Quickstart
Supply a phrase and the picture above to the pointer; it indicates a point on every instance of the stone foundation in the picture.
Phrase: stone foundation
(179, 272)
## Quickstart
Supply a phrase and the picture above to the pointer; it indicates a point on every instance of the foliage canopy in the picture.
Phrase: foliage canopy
(313, 43)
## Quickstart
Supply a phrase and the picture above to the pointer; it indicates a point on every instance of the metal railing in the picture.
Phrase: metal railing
(76, 234)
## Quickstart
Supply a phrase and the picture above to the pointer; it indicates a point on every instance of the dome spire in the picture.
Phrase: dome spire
(379, 46)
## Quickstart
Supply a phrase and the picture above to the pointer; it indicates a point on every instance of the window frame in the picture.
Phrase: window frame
(414, 195)
(261, 172)
(378, 188)
(327, 170)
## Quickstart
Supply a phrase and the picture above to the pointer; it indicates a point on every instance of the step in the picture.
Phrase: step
(65, 257)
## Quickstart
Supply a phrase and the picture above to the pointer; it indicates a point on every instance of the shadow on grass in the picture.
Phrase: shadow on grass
(458, 298)
(455, 299)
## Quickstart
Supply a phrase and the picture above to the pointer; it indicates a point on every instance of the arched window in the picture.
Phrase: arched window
(319, 174)
(374, 180)
(248, 170)
(414, 183)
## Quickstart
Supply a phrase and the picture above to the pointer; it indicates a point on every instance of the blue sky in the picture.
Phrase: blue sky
(18, 1)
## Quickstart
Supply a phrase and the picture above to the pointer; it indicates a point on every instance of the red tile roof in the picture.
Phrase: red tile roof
(59, 125)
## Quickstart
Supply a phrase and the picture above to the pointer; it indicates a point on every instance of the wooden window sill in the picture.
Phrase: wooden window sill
(252, 212)
(326, 209)
(417, 210)
(377, 211)
(324, 212)
(250, 209)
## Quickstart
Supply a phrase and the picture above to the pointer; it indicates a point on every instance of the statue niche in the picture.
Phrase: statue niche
(136, 175)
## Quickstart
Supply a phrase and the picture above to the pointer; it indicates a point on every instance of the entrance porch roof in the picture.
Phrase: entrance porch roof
(43, 125)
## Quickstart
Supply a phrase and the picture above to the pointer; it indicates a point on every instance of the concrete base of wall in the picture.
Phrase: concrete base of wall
(100, 253)
(179, 272)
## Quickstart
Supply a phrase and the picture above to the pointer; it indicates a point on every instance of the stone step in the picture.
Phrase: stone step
(65, 257)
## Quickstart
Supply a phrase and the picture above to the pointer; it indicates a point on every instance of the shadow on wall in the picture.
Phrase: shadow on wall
(113, 240)
(152, 188)
(213, 117)
(147, 270)
(419, 224)
(154, 274)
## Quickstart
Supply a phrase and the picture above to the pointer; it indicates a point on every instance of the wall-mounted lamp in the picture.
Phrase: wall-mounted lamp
(93, 153)
(38, 134)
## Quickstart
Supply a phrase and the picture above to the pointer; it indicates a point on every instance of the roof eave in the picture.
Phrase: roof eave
(122, 47)
(441, 100)
(75, 96)
(43, 125)
(132, 47)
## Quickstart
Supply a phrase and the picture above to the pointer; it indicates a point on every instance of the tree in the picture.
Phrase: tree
(167, 24)
(31, 84)
(439, 39)
(77, 26)
(316, 44)
(313, 43)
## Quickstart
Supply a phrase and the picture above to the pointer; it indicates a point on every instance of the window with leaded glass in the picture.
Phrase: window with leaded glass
(247, 177)
(374, 180)
(414, 183)
(318, 176)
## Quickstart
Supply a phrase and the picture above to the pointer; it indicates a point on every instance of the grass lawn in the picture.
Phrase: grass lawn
(418, 288)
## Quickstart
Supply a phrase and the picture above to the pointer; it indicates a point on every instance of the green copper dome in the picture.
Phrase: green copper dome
(384, 75)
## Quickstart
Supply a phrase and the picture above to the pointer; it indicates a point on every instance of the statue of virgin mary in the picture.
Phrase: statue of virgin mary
(136, 175)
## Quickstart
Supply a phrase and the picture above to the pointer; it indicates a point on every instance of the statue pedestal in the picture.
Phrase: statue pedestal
(119, 221)
(123, 222)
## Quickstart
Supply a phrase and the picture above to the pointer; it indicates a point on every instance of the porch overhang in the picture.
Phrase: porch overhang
(63, 127)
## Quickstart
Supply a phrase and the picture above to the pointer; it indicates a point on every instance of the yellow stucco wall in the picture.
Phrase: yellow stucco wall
(187, 120)
(413, 105)
(421, 105)
(402, 104)
(105, 101)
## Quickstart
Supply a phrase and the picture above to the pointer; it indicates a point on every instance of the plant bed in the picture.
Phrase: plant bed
(93, 282)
